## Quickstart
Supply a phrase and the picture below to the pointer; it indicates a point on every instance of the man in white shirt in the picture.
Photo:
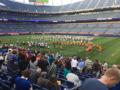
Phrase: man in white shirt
(74, 64)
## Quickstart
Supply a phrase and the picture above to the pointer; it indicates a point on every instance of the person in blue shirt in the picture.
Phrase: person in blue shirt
(22, 83)
(109, 79)
(12, 63)
(81, 64)
(116, 87)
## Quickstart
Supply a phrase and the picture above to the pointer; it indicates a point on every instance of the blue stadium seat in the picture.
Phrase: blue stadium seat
(4, 86)
(66, 84)
(37, 87)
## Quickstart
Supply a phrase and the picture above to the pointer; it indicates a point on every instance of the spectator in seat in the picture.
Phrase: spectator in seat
(50, 84)
(96, 68)
(50, 59)
(72, 77)
(22, 83)
(116, 87)
(34, 75)
(52, 69)
(109, 79)
(104, 67)
(53, 83)
(74, 64)
(40, 56)
(81, 64)
(7, 54)
(43, 64)
(88, 65)
(33, 63)
(23, 61)
(1, 60)
(67, 68)
(12, 63)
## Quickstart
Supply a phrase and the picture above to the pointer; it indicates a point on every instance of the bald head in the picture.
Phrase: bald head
(111, 77)
(113, 73)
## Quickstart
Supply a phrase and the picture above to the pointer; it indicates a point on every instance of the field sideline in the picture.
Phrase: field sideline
(111, 47)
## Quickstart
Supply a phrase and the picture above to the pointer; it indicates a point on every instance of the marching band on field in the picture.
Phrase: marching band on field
(61, 41)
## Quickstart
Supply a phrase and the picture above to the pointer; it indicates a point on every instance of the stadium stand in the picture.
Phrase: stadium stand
(17, 11)
(75, 16)
(82, 5)
(89, 17)
(64, 18)
(75, 28)
(8, 79)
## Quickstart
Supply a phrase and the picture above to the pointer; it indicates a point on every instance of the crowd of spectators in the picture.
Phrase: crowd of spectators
(35, 67)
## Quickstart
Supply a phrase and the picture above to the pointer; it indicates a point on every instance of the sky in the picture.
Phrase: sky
(53, 2)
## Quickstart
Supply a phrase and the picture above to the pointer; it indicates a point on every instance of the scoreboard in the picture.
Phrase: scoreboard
(41, 1)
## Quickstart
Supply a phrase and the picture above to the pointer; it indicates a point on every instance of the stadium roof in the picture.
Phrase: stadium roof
(52, 2)
(1, 4)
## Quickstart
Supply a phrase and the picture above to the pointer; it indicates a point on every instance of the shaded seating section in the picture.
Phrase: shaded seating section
(82, 76)
(7, 81)
(60, 17)
(37, 87)
(68, 28)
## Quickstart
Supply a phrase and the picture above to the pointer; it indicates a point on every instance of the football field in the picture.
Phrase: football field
(70, 47)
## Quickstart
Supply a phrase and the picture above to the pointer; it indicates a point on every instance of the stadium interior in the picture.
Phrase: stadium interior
(60, 27)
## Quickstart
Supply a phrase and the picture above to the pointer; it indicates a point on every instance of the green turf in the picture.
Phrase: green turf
(111, 47)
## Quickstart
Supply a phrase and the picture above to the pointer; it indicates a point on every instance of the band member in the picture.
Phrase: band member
(89, 46)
